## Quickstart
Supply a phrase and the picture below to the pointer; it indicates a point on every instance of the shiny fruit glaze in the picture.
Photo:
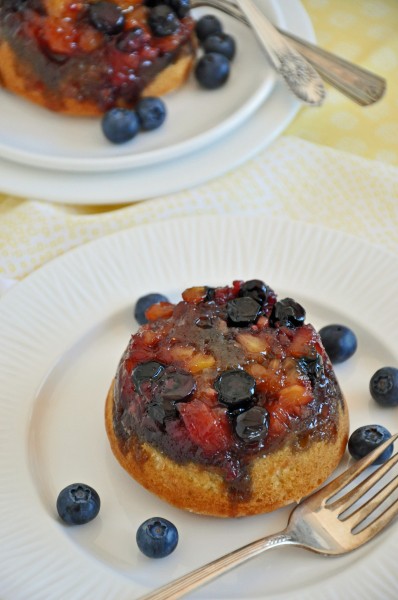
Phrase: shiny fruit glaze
(69, 54)
(242, 390)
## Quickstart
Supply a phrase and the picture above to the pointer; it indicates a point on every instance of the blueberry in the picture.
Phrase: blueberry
(384, 386)
(157, 537)
(365, 439)
(256, 289)
(212, 70)
(180, 7)
(106, 17)
(146, 371)
(163, 21)
(243, 311)
(339, 341)
(235, 387)
(210, 294)
(78, 504)
(144, 303)
(176, 386)
(130, 41)
(287, 312)
(208, 25)
(222, 43)
(312, 367)
(120, 125)
(151, 113)
(252, 425)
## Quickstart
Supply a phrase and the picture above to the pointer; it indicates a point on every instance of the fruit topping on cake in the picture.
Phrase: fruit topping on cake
(232, 385)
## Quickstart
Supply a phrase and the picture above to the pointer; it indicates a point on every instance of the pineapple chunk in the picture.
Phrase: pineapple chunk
(200, 362)
(253, 343)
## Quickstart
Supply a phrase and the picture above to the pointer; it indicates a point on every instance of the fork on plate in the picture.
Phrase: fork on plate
(356, 83)
(334, 520)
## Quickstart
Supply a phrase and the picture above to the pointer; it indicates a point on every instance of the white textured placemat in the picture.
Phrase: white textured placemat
(292, 178)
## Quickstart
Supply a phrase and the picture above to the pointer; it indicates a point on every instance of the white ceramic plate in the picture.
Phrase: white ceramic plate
(196, 117)
(63, 330)
(140, 183)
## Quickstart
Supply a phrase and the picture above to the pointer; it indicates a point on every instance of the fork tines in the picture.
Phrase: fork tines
(356, 469)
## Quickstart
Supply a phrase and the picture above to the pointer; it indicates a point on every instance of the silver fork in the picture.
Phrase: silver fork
(358, 84)
(326, 522)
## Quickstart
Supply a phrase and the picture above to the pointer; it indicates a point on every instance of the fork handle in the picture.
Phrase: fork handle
(202, 575)
(358, 84)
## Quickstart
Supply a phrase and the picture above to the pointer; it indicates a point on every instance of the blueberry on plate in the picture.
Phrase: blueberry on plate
(144, 303)
(367, 438)
(119, 125)
(222, 43)
(384, 386)
(208, 25)
(151, 113)
(212, 70)
(340, 342)
(157, 537)
(78, 503)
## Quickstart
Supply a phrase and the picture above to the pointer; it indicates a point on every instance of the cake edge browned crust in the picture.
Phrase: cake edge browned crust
(278, 479)
(16, 78)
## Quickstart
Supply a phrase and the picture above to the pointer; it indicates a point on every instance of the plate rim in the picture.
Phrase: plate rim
(202, 222)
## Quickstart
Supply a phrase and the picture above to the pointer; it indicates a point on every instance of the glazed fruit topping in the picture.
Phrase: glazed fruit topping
(252, 425)
(160, 410)
(368, 437)
(176, 386)
(288, 313)
(157, 537)
(78, 503)
(163, 21)
(132, 40)
(243, 311)
(209, 378)
(109, 50)
(235, 387)
(340, 342)
(384, 386)
(313, 367)
(150, 370)
(255, 289)
(107, 17)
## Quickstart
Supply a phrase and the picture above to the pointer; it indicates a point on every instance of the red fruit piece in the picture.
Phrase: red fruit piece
(209, 429)
(303, 342)
(60, 35)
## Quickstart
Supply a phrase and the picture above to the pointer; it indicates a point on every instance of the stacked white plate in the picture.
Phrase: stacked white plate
(63, 159)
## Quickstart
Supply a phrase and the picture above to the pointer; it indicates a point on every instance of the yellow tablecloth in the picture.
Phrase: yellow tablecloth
(319, 170)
